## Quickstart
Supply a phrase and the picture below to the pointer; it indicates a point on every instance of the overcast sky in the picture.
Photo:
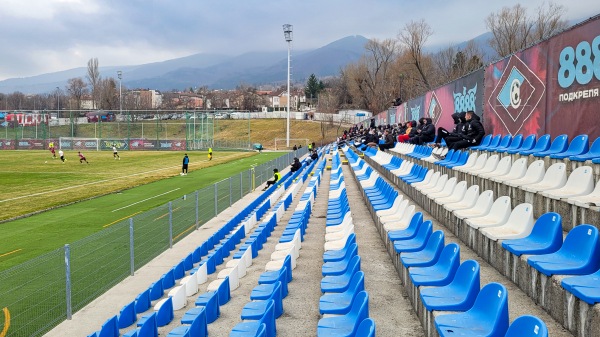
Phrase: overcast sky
(42, 36)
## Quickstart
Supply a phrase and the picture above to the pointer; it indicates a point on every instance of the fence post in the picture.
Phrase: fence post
(170, 224)
(230, 193)
(251, 172)
(68, 281)
(216, 200)
(197, 212)
(241, 185)
(131, 255)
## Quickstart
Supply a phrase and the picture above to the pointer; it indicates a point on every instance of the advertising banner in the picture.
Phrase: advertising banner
(30, 144)
(120, 144)
(573, 97)
(7, 144)
(415, 108)
(164, 145)
(392, 116)
(401, 113)
(515, 93)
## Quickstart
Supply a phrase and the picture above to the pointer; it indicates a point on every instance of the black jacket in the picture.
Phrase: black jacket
(475, 131)
(427, 131)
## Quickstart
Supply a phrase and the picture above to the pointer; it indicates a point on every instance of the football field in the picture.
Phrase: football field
(99, 194)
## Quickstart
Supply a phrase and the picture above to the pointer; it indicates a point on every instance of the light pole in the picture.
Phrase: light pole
(120, 75)
(287, 32)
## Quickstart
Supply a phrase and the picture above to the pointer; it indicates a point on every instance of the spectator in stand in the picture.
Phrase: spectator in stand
(473, 136)
(295, 165)
(459, 128)
(371, 139)
(425, 132)
(276, 178)
(410, 131)
(388, 139)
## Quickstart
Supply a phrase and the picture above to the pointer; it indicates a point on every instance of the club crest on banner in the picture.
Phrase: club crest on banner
(435, 108)
(516, 95)
(415, 112)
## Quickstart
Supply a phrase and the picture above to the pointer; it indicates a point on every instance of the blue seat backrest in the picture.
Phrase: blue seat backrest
(527, 326)
(505, 141)
(559, 144)
(582, 242)
(493, 299)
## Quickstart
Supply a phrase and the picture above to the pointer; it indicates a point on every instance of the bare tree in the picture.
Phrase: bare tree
(413, 37)
(77, 88)
(93, 77)
(512, 29)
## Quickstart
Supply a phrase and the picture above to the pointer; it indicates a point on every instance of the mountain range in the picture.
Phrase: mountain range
(212, 70)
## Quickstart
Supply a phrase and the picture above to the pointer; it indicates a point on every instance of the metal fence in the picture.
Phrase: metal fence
(44, 291)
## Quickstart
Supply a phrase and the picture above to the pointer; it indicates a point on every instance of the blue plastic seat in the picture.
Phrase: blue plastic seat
(143, 302)
(284, 275)
(579, 254)
(515, 143)
(487, 317)
(579, 145)
(256, 309)
(179, 270)
(441, 273)
(585, 287)
(148, 329)
(462, 159)
(207, 303)
(593, 153)
(527, 144)
(198, 328)
(495, 141)
(449, 156)
(426, 257)
(110, 328)
(127, 316)
(338, 255)
(418, 242)
(542, 144)
(405, 234)
(484, 142)
(459, 295)
(340, 283)
(340, 303)
(346, 325)
(559, 144)
(418, 178)
(504, 143)
(168, 279)
(254, 327)
(156, 290)
(366, 327)
(527, 326)
(545, 238)
(339, 267)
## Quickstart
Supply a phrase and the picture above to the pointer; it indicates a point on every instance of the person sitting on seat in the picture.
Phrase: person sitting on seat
(388, 139)
(425, 132)
(295, 165)
(410, 131)
(473, 137)
(460, 127)
(276, 177)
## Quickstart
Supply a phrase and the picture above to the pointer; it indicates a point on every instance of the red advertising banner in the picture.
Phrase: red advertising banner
(163, 145)
(515, 93)
(573, 98)
(7, 144)
(31, 144)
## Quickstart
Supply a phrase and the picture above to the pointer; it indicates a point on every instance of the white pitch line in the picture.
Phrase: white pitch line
(137, 202)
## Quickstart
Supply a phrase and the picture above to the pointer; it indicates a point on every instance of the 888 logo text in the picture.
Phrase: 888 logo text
(580, 64)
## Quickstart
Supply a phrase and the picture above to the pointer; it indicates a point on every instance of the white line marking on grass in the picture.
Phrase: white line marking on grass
(137, 202)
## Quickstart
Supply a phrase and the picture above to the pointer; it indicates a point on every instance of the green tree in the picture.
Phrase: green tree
(313, 87)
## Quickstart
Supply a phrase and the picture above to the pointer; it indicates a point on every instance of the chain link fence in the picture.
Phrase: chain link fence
(44, 291)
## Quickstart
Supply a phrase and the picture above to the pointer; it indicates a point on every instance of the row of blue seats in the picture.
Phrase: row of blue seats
(344, 299)
(451, 286)
(209, 254)
(578, 254)
(259, 316)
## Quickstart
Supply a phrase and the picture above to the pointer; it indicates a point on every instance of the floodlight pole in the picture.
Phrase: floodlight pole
(287, 32)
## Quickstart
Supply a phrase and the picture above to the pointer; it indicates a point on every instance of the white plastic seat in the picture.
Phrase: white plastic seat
(588, 199)
(393, 209)
(519, 224)
(234, 278)
(446, 191)
(241, 263)
(490, 165)
(535, 174)
(402, 167)
(336, 244)
(432, 157)
(482, 206)
(296, 243)
(277, 264)
(498, 215)
(394, 217)
(432, 180)
(517, 171)
(456, 195)
(555, 177)
(178, 297)
(201, 274)
(346, 222)
(470, 162)
(190, 283)
(406, 169)
(467, 201)
(439, 186)
(338, 235)
(281, 254)
(401, 223)
(370, 182)
(580, 182)
(479, 164)
(501, 169)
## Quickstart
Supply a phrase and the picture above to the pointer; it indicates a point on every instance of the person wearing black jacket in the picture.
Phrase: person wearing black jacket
(295, 165)
(425, 132)
(459, 128)
(473, 137)
(389, 141)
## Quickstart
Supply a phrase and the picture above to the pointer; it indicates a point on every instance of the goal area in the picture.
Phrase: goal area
(280, 143)
(78, 143)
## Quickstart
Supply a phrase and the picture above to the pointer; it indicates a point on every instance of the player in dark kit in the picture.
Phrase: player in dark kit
(82, 158)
